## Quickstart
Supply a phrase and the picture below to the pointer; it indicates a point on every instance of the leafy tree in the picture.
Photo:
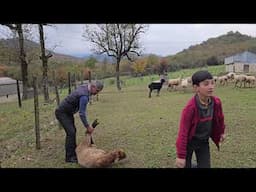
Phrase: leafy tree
(152, 62)
(213, 60)
(90, 63)
(116, 40)
(17, 28)
(3, 70)
(139, 66)
(44, 59)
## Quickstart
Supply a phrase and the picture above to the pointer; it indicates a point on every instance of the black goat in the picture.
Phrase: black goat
(155, 85)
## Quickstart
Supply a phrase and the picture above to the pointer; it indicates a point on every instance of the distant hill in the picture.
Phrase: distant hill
(11, 45)
(213, 51)
(10, 62)
(210, 52)
(99, 58)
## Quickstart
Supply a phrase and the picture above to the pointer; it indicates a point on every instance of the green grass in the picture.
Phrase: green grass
(145, 128)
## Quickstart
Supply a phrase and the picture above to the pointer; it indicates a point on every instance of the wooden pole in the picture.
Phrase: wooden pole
(75, 80)
(56, 89)
(57, 93)
(36, 107)
(69, 83)
(90, 80)
(18, 91)
(82, 77)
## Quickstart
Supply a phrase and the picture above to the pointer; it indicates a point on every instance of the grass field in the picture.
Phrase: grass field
(145, 128)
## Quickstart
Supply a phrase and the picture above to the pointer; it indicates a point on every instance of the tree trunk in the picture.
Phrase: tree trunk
(44, 59)
(24, 64)
(117, 75)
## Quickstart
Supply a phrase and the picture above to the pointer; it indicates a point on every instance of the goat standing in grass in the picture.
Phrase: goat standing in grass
(155, 85)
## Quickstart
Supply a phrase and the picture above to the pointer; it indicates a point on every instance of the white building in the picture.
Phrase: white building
(8, 86)
(244, 62)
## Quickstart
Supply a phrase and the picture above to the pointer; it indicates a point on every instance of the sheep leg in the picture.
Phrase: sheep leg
(150, 93)
(92, 142)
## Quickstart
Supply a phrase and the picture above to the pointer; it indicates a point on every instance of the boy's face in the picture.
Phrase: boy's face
(205, 88)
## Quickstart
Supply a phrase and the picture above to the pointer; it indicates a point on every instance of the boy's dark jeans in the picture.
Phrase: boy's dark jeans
(67, 121)
(202, 151)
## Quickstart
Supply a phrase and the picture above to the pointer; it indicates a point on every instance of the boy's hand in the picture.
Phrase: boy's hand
(222, 138)
(180, 163)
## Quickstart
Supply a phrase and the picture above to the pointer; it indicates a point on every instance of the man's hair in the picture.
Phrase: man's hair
(200, 76)
(99, 85)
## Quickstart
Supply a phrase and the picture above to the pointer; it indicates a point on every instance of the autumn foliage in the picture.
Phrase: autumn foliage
(3, 70)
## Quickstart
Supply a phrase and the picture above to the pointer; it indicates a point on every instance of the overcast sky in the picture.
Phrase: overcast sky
(161, 39)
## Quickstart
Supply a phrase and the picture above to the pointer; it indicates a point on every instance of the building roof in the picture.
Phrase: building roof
(7, 80)
(245, 57)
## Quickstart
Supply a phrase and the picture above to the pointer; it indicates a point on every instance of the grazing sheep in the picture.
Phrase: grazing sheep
(240, 78)
(189, 80)
(90, 156)
(155, 85)
(215, 78)
(173, 83)
(250, 80)
(184, 84)
(223, 80)
(230, 75)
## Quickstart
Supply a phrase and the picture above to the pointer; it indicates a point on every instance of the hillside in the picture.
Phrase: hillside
(213, 51)
(210, 52)
(11, 45)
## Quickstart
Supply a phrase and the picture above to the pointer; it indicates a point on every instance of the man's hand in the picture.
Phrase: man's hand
(89, 130)
(180, 163)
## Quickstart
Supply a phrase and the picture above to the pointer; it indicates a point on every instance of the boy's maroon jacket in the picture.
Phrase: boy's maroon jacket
(188, 123)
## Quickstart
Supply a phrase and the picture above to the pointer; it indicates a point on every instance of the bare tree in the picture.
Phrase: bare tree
(116, 40)
(44, 59)
(24, 64)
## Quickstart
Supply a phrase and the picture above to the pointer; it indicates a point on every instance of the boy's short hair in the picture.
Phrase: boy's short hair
(200, 76)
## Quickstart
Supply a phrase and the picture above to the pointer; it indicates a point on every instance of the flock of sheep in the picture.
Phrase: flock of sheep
(237, 78)
(183, 83)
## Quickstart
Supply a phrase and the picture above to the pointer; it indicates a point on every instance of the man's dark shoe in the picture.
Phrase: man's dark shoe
(72, 160)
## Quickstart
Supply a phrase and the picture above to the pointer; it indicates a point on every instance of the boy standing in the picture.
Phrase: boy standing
(201, 119)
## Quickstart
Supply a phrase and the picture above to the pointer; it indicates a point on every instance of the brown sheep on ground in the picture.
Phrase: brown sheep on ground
(90, 156)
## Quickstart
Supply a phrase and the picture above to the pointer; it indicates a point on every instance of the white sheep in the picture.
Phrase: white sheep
(215, 78)
(240, 78)
(223, 80)
(250, 80)
(172, 83)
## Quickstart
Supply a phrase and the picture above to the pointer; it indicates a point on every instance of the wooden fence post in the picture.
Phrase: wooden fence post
(36, 107)
(18, 91)
(82, 77)
(69, 83)
(57, 94)
(90, 80)
(56, 89)
(75, 80)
